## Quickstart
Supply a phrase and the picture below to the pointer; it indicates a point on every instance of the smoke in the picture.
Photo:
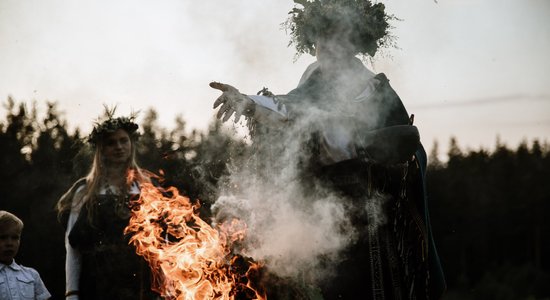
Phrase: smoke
(299, 225)
(296, 227)
(286, 231)
(295, 232)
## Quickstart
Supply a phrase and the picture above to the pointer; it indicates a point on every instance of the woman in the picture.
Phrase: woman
(99, 263)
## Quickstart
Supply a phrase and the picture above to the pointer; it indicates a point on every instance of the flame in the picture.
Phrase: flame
(189, 259)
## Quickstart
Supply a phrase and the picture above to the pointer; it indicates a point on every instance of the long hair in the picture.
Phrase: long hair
(88, 195)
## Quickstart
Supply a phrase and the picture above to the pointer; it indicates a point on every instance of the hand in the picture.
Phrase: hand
(231, 101)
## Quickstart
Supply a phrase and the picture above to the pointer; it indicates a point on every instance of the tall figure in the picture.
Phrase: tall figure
(356, 139)
(100, 264)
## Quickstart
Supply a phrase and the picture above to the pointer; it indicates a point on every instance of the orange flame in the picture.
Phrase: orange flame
(189, 259)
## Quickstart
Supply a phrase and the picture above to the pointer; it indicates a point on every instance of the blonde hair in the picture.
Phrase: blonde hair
(7, 218)
(88, 196)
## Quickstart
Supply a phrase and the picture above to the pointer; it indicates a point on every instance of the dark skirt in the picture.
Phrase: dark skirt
(110, 269)
(385, 261)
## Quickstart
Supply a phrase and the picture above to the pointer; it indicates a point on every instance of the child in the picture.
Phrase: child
(16, 281)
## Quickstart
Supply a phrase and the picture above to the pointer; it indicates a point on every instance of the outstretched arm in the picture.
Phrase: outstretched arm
(261, 108)
(232, 102)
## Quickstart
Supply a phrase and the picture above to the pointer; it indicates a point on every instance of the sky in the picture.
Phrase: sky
(474, 70)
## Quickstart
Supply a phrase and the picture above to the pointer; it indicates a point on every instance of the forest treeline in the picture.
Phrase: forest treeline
(489, 209)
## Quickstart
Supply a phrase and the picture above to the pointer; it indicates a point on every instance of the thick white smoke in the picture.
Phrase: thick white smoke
(295, 231)
(287, 232)
(299, 229)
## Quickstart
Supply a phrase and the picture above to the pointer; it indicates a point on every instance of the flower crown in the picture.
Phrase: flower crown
(110, 125)
(363, 23)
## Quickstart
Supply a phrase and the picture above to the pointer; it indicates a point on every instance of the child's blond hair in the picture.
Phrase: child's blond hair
(7, 218)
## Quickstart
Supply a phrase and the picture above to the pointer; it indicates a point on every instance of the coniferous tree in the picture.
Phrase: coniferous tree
(488, 208)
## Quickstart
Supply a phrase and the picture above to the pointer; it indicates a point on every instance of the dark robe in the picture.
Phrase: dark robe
(397, 258)
(110, 268)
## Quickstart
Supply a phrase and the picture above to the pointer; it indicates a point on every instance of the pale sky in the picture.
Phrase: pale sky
(470, 69)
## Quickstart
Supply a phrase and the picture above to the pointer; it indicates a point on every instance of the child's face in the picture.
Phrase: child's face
(10, 236)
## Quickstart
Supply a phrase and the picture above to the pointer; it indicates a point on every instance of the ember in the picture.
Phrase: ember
(189, 259)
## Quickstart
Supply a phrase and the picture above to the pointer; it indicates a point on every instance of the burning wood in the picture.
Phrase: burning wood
(190, 259)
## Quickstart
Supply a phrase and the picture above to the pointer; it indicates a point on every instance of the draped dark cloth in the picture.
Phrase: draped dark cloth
(110, 269)
(393, 259)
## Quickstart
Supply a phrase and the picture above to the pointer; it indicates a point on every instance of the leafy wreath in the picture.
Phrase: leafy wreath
(366, 25)
(109, 124)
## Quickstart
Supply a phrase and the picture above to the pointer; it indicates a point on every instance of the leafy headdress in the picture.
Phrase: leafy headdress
(109, 124)
(365, 25)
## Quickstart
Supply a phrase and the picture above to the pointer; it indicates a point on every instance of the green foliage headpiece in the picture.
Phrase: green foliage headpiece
(363, 23)
(110, 124)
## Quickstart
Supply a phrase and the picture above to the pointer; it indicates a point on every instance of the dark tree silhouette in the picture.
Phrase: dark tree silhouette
(488, 213)
(489, 209)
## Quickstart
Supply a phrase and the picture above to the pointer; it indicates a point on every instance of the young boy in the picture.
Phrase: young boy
(16, 281)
